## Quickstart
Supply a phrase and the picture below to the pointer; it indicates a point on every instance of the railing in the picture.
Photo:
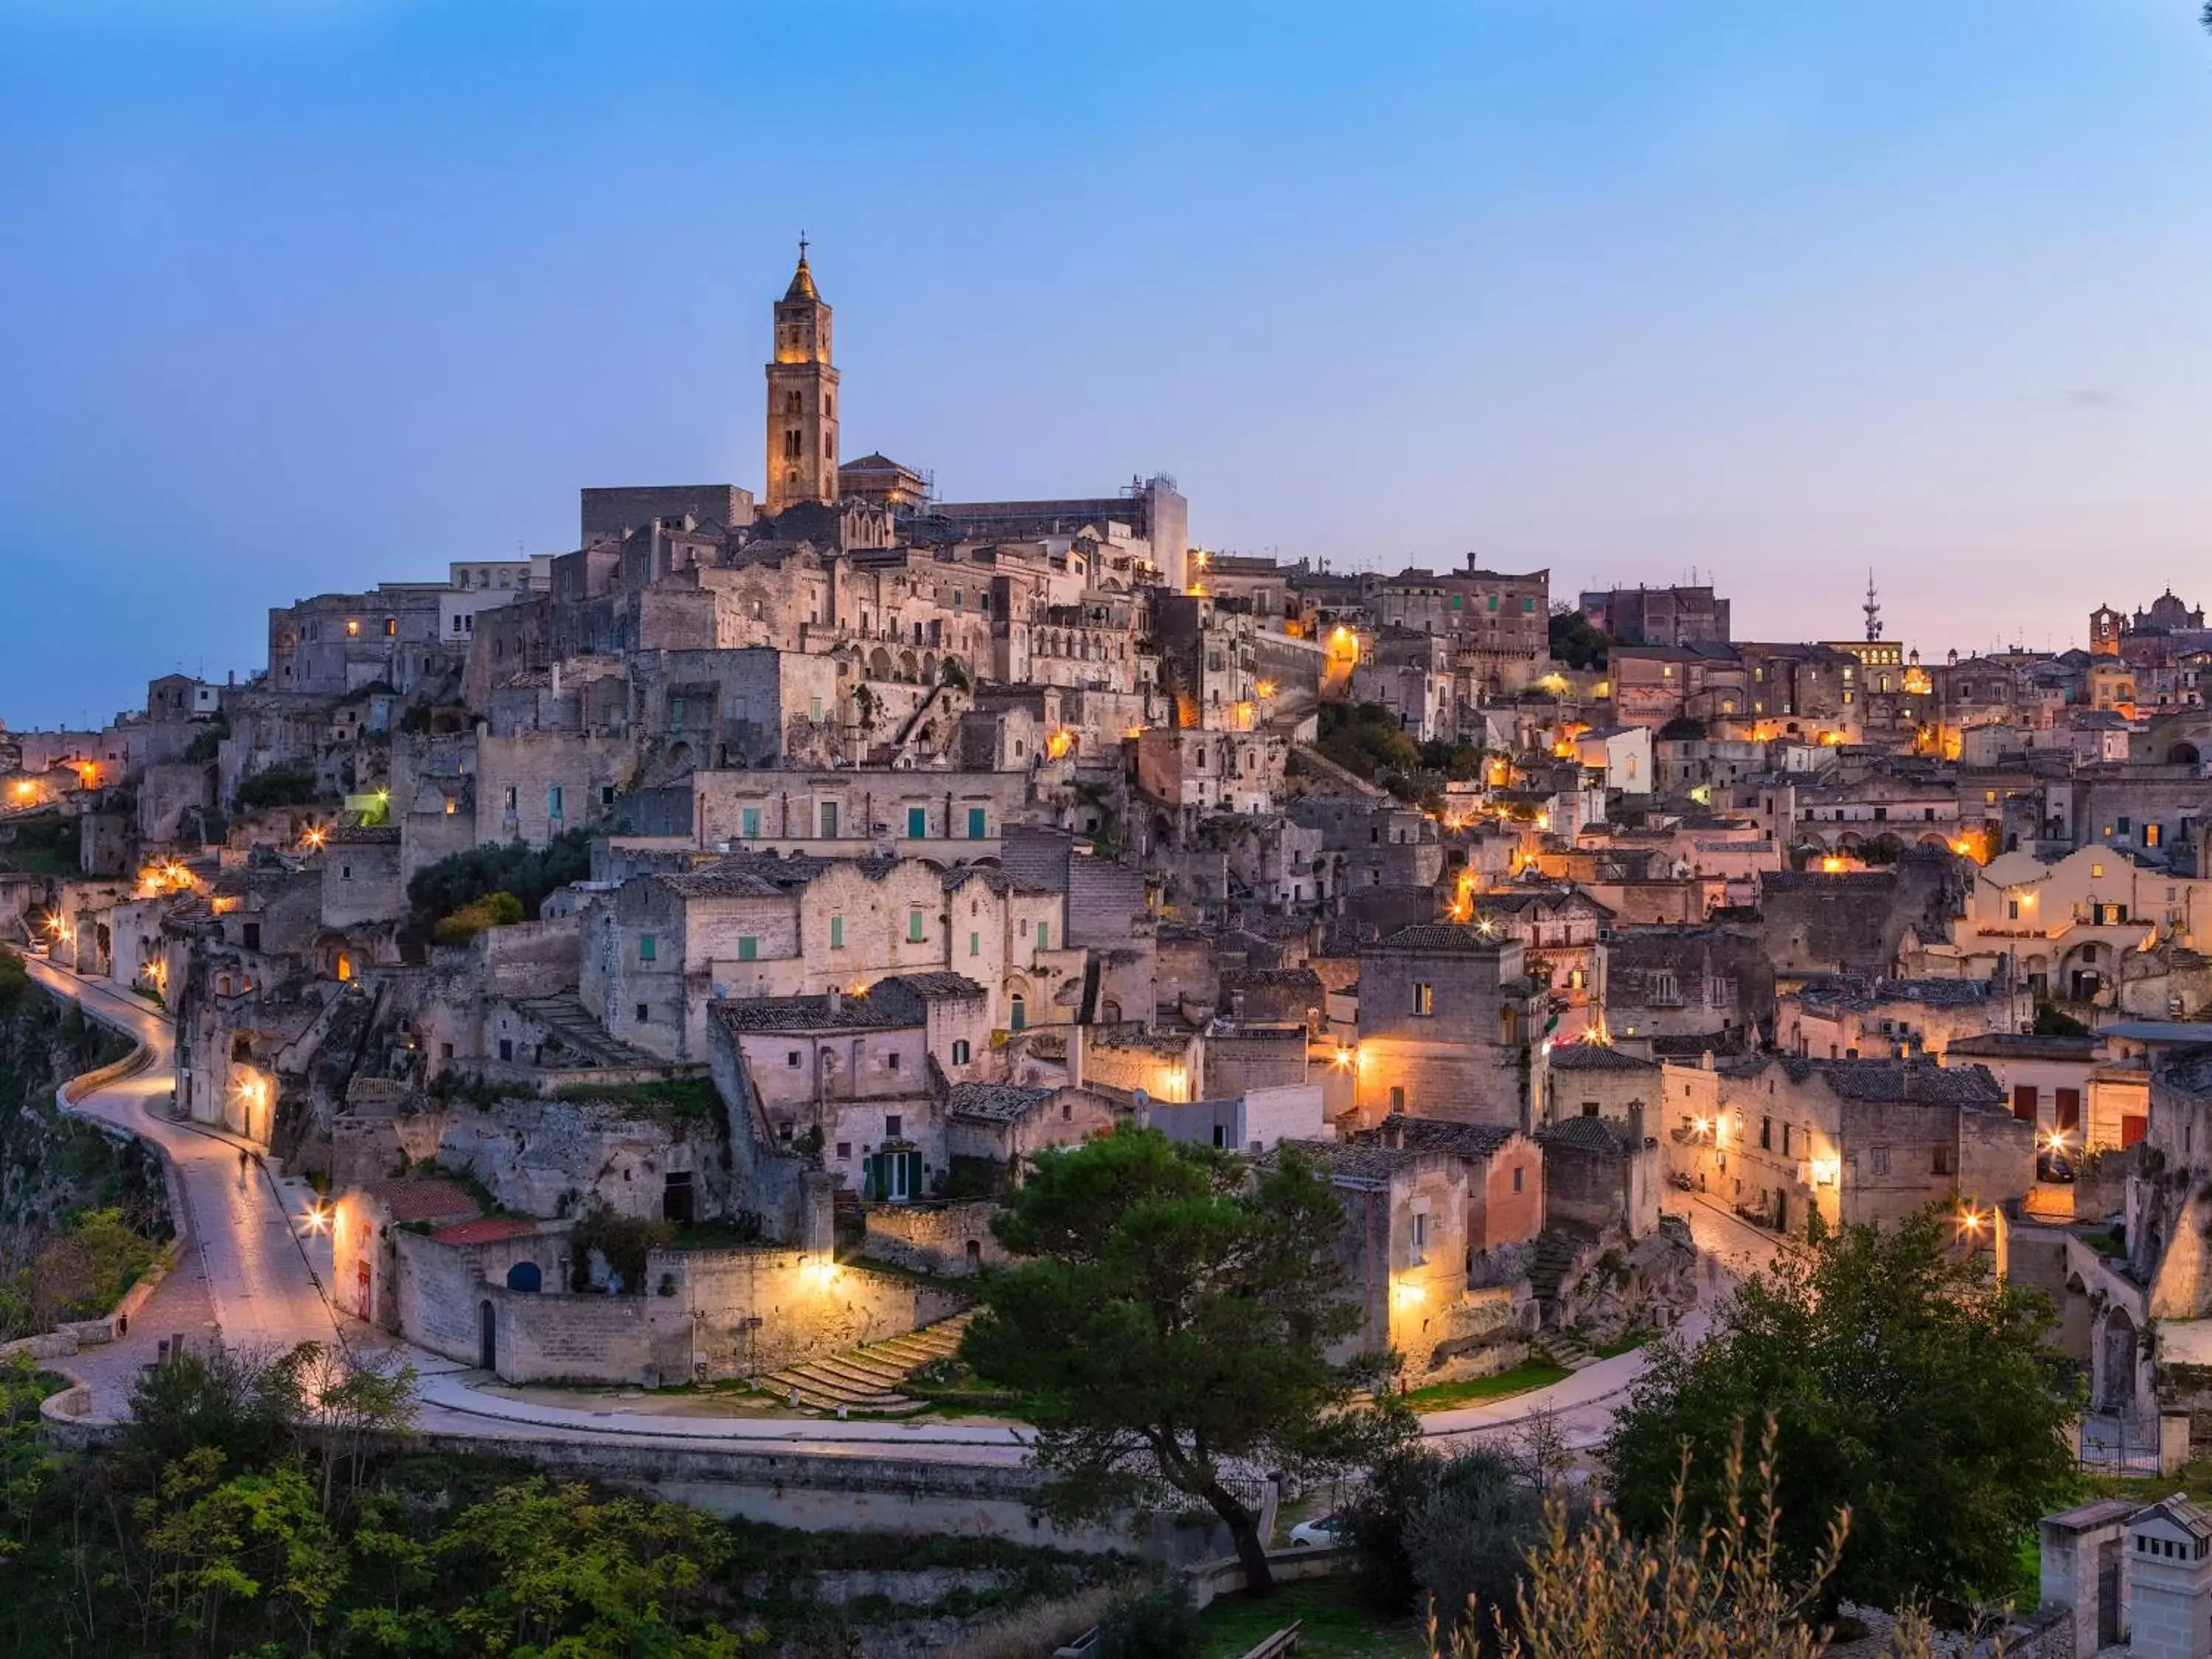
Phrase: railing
(1282, 1641)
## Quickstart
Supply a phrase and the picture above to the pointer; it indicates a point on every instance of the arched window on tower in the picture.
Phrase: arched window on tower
(791, 444)
(790, 403)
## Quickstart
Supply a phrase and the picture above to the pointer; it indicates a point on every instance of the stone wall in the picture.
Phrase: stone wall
(934, 1238)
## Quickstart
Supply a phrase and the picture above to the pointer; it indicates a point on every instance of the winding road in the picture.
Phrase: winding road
(253, 1276)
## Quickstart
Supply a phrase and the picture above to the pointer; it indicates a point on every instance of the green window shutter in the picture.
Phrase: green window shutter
(977, 823)
(649, 948)
(1044, 936)
(974, 945)
(836, 933)
(748, 947)
(914, 927)
(917, 821)
(748, 823)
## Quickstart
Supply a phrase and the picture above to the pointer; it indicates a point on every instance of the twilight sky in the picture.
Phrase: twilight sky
(295, 297)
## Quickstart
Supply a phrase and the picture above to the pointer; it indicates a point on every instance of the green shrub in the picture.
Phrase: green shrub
(493, 910)
(1157, 1622)
(278, 786)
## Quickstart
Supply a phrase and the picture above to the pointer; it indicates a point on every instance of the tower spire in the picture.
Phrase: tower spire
(1872, 609)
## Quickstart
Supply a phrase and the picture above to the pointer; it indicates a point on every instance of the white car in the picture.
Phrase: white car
(1323, 1529)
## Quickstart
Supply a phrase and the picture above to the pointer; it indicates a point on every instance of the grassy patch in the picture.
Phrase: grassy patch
(672, 1100)
(2105, 1241)
(1332, 1624)
(1532, 1374)
(1626, 1342)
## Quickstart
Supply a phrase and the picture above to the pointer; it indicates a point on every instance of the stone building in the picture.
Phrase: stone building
(1843, 1019)
(870, 1077)
(1596, 1079)
(1450, 1026)
(1859, 1140)
(1601, 1176)
(1679, 615)
(1407, 1254)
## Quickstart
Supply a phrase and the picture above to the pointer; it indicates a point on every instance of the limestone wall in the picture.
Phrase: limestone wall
(933, 1238)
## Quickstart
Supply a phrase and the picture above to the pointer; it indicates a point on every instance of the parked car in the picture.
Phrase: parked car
(1321, 1530)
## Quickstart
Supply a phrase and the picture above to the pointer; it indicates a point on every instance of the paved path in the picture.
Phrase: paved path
(249, 1249)
(258, 1272)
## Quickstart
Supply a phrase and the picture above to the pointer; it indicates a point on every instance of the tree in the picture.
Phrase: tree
(1905, 1382)
(2053, 1021)
(1575, 641)
(1173, 1328)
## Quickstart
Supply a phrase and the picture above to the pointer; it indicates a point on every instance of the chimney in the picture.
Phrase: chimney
(1394, 1134)
(1636, 1122)
(836, 1000)
(1075, 1056)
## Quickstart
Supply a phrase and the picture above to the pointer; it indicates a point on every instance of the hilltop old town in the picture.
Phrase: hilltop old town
(650, 970)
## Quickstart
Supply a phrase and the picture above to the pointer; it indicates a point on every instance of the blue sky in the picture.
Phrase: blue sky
(298, 296)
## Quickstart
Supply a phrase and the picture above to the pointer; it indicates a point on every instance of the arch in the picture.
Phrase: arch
(1018, 1011)
(2118, 1347)
(488, 1335)
(2182, 754)
(879, 664)
(525, 1276)
(908, 668)
(680, 758)
(929, 668)
(1110, 1012)
(1933, 840)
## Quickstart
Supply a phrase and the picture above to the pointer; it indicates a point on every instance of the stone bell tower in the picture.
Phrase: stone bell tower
(802, 399)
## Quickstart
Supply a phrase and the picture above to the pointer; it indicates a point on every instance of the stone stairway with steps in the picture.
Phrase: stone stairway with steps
(1564, 1349)
(869, 1378)
(1555, 1255)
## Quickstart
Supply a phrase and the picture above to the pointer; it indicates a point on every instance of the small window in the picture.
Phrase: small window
(506, 1047)
(844, 1152)
(960, 1051)
(974, 945)
(891, 1060)
(914, 927)
(836, 933)
(892, 1122)
(1044, 936)
(1424, 999)
(649, 948)
(748, 947)
(1517, 1177)
(1421, 1231)
(1940, 1163)
(644, 1015)
(791, 1057)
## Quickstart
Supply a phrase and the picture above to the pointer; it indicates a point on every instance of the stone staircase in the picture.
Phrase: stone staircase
(868, 1378)
(1555, 1258)
(1564, 1349)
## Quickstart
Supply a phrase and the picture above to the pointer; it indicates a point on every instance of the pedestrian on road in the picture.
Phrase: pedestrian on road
(245, 1162)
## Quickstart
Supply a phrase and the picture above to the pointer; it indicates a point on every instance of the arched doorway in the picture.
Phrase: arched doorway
(2115, 1362)
(2182, 754)
(488, 1335)
(524, 1276)
(1018, 1011)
